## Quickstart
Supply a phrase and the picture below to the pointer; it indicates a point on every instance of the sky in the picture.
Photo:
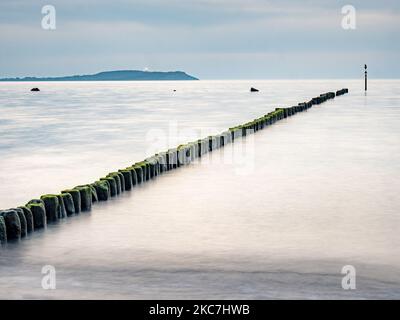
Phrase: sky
(210, 39)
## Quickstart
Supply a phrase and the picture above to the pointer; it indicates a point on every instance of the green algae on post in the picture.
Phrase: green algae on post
(68, 203)
(112, 184)
(13, 224)
(52, 206)
(76, 196)
(38, 212)
(22, 220)
(62, 213)
(102, 189)
(29, 218)
(86, 197)
(128, 179)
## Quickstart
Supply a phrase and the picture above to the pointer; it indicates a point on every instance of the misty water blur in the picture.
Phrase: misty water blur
(307, 196)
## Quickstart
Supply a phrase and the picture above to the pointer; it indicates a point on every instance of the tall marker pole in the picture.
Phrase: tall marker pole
(365, 76)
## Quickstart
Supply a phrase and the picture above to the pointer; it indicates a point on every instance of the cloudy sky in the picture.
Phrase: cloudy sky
(211, 39)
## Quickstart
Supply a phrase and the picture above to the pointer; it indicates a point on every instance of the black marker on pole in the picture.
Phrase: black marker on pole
(365, 67)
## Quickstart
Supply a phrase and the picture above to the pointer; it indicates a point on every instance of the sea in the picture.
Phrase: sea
(308, 208)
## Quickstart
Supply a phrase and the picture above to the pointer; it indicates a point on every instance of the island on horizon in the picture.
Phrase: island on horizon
(118, 75)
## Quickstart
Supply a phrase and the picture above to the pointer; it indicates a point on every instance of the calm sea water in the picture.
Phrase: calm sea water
(276, 215)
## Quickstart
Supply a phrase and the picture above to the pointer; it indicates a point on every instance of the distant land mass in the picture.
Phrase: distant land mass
(119, 75)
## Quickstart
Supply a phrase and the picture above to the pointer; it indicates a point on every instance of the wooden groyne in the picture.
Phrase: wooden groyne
(16, 223)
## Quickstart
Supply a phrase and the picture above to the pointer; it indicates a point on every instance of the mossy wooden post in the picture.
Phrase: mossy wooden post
(210, 143)
(13, 224)
(76, 196)
(117, 179)
(51, 204)
(152, 169)
(156, 162)
(121, 177)
(29, 218)
(62, 213)
(193, 151)
(128, 179)
(133, 175)
(221, 140)
(68, 203)
(170, 159)
(199, 148)
(94, 193)
(181, 155)
(163, 162)
(146, 170)
(102, 188)
(173, 159)
(22, 220)
(151, 162)
(38, 212)
(139, 173)
(112, 184)
(3, 230)
(86, 197)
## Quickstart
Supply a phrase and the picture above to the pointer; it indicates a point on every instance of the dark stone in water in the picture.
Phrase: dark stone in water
(13, 224)
(253, 89)
(35, 89)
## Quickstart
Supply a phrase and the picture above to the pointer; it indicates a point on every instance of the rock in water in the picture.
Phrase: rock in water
(253, 89)
(35, 89)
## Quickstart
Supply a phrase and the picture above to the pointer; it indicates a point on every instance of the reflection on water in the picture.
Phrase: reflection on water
(321, 193)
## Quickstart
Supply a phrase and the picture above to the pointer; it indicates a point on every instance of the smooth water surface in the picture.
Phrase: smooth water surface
(275, 215)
